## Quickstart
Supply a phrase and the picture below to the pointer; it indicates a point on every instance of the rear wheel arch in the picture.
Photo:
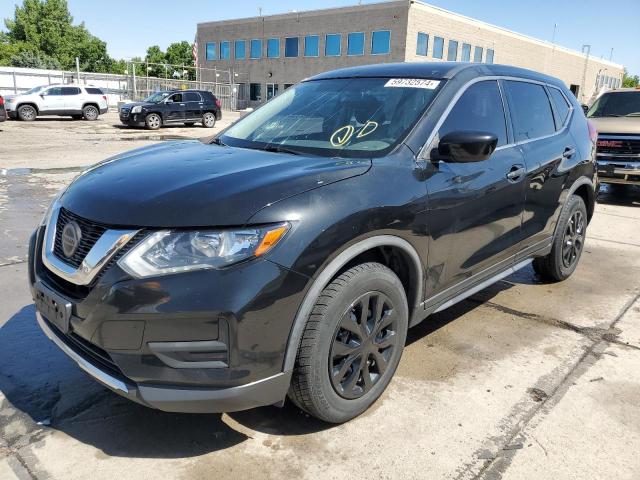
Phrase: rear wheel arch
(392, 251)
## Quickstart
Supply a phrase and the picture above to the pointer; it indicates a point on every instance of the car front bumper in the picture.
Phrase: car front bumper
(132, 120)
(209, 341)
(619, 170)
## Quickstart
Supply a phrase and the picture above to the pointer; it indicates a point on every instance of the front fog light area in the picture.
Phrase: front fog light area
(166, 252)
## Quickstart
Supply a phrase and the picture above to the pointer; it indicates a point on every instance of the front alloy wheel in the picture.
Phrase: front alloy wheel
(364, 342)
(351, 344)
(153, 121)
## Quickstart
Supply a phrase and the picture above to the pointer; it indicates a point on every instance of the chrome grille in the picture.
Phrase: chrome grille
(91, 232)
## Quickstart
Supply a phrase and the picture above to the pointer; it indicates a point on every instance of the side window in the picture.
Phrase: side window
(70, 91)
(479, 108)
(177, 97)
(54, 91)
(192, 97)
(530, 110)
(562, 107)
(94, 91)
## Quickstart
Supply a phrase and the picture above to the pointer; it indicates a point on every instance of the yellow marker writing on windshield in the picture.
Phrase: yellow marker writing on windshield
(341, 136)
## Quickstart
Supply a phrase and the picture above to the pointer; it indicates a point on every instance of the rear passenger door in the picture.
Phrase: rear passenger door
(194, 104)
(540, 115)
(475, 209)
(72, 98)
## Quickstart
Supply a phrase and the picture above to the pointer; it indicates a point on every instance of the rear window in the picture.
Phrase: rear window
(531, 110)
(192, 97)
(562, 107)
(70, 91)
(94, 91)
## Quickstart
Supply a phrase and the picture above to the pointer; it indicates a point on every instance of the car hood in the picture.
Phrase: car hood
(607, 125)
(191, 184)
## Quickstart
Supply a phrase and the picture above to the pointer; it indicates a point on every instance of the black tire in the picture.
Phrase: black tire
(209, 120)
(153, 121)
(568, 243)
(90, 113)
(27, 113)
(189, 124)
(332, 361)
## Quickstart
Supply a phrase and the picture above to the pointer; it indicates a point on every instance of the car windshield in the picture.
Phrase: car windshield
(34, 90)
(355, 117)
(157, 97)
(618, 104)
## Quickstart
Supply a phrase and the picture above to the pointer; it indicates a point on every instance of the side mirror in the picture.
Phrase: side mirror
(466, 146)
(585, 108)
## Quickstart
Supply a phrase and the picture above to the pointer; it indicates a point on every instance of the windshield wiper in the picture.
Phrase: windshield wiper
(279, 149)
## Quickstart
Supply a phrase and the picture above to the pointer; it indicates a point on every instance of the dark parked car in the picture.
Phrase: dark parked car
(291, 255)
(176, 106)
(3, 113)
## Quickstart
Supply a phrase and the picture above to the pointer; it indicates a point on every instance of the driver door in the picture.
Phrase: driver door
(52, 100)
(475, 209)
(176, 108)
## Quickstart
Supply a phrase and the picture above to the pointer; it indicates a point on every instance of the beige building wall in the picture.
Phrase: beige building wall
(510, 48)
(404, 19)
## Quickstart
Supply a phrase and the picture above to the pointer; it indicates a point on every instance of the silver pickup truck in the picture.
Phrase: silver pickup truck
(616, 116)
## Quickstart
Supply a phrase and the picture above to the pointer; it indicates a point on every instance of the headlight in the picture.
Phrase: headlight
(166, 252)
(136, 109)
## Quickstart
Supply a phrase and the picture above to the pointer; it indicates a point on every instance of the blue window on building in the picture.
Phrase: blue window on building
(438, 47)
(466, 52)
(355, 43)
(311, 46)
(225, 50)
(273, 48)
(381, 42)
(291, 45)
(256, 49)
(477, 54)
(212, 52)
(489, 57)
(333, 45)
(452, 53)
(423, 44)
(240, 50)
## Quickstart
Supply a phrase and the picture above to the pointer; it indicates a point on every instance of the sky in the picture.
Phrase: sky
(129, 27)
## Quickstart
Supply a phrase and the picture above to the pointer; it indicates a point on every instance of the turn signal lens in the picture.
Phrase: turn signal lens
(270, 239)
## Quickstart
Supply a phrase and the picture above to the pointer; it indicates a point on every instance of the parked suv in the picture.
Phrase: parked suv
(3, 112)
(171, 107)
(616, 115)
(77, 101)
(291, 255)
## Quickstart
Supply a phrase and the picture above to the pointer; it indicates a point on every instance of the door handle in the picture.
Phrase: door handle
(569, 152)
(515, 173)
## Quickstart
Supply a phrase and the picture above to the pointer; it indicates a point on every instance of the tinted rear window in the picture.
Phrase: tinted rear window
(530, 110)
(192, 97)
(562, 107)
(94, 91)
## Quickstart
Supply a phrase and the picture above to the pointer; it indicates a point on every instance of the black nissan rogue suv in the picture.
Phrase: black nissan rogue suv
(291, 254)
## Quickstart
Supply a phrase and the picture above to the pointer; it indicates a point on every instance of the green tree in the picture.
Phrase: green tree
(179, 53)
(629, 81)
(45, 28)
(29, 59)
(156, 58)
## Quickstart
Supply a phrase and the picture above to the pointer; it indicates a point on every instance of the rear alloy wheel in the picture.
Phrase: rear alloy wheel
(27, 113)
(351, 345)
(153, 121)
(90, 113)
(568, 243)
(208, 120)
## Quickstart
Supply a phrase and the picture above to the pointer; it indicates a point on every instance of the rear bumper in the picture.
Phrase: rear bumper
(620, 170)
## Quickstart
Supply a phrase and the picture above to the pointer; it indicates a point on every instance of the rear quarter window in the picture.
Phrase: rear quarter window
(530, 110)
(94, 91)
(562, 107)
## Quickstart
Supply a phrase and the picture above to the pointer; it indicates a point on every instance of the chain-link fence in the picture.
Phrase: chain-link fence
(230, 87)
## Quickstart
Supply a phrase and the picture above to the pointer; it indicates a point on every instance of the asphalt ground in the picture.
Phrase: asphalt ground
(522, 380)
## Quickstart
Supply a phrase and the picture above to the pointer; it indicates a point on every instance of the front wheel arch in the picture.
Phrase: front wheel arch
(335, 267)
